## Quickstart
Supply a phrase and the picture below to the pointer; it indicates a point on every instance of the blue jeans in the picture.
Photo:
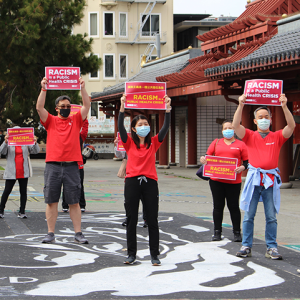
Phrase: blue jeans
(270, 213)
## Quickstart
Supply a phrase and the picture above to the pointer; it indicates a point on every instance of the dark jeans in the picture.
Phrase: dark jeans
(82, 202)
(134, 190)
(231, 192)
(9, 184)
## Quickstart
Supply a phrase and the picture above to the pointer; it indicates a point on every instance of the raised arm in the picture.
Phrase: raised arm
(122, 130)
(289, 128)
(164, 130)
(236, 123)
(40, 104)
(86, 103)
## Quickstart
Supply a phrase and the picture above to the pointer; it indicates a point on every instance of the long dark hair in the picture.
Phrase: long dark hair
(135, 137)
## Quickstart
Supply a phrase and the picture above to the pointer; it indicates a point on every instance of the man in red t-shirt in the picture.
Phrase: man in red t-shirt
(62, 157)
(263, 181)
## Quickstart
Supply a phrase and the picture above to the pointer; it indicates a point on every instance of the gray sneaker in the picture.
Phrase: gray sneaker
(244, 252)
(273, 254)
(130, 260)
(155, 261)
(79, 238)
(49, 238)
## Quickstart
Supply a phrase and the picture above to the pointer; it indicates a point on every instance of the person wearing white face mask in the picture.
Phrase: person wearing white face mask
(263, 181)
(141, 178)
(223, 189)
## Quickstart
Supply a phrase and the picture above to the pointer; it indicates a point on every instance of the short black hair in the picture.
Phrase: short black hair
(262, 107)
(64, 97)
(226, 121)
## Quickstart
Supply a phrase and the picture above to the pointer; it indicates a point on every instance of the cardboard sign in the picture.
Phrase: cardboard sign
(20, 136)
(75, 109)
(220, 167)
(145, 95)
(263, 92)
(63, 78)
(120, 146)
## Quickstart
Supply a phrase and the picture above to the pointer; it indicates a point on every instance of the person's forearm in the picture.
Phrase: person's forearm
(122, 130)
(164, 130)
(289, 117)
(237, 117)
(40, 104)
(85, 98)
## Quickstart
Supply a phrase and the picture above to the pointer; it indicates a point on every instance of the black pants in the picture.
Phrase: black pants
(9, 184)
(231, 192)
(135, 189)
(144, 211)
(82, 202)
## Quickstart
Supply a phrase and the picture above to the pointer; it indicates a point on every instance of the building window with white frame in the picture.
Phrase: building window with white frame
(93, 24)
(108, 21)
(95, 75)
(152, 25)
(123, 66)
(109, 66)
(123, 24)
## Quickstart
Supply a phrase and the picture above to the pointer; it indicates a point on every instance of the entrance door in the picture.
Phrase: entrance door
(182, 146)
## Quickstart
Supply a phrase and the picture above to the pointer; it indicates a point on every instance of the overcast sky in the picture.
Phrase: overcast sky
(214, 7)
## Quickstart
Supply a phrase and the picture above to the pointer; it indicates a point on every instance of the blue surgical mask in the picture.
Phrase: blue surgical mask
(142, 131)
(263, 124)
(228, 133)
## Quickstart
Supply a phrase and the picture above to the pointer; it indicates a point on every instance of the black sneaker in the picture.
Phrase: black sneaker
(130, 260)
(145, 224)
(1, 214)
(82, 209)
(79, 238)
(65, 210)
(124, 222)
(237, 237)
(217, 235)
(22, 216)
(155, 261)
(49, 238)
(244, 252)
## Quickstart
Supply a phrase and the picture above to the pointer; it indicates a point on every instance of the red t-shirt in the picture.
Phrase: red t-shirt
(19, 161)
(141, 161)
(237, 149)
(264, 152)
(63, 138)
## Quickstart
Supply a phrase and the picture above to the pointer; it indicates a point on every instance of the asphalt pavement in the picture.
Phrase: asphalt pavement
(192, 267)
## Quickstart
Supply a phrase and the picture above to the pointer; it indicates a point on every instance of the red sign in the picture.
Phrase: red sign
(220, 167)
(120, 146)
(263, 92)
(63, 78)
(145, 95)
(20, 136)
(75, 109)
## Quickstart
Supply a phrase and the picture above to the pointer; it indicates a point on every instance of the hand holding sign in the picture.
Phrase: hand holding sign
(168, 103)
(283, 100)
(43, 83)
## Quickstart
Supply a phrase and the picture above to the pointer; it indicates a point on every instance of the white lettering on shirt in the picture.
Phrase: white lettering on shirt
(267, 144)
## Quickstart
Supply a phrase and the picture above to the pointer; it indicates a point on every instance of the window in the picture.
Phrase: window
(152, 25)
(108, 24)
(123, 24)
(94, 109)
(94, 75)
(93, 24)
(123, 66)
(109, 66)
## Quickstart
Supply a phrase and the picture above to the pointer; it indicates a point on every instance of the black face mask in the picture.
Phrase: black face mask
(64, 112)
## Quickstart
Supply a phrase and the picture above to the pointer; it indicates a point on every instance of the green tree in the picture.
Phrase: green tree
(35, 34)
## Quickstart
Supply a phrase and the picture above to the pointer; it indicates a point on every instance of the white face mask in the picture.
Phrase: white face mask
(263, 124)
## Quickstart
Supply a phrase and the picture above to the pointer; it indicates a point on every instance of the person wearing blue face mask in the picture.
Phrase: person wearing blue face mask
(141, 178)
(223, 189)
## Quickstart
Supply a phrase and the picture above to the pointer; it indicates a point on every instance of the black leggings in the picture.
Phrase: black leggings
(9, 184)
(135, 189)
(231, 192)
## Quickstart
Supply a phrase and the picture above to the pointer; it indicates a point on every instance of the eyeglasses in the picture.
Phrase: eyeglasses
(64, 106)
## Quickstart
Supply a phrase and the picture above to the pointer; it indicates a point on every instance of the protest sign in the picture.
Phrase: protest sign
(263, 92)
(145, 95)
(75, 109)
(63, 78)
(20, 136)
(120, 146)
(220, 167)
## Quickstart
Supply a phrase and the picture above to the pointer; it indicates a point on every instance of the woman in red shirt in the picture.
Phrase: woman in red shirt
(222, 189)
(141, 178)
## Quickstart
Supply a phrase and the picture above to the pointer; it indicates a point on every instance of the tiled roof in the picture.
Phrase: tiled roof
(280, 48)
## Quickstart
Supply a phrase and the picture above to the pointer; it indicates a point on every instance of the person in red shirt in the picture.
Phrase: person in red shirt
(18, 168)
(222, 189)
(141, 178)
(263, 180)
(62, 157)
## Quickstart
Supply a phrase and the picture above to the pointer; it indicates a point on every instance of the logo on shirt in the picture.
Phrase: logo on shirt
(270, 143)
(235, 148)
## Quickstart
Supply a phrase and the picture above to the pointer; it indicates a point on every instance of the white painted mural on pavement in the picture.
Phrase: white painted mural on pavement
(186, 267)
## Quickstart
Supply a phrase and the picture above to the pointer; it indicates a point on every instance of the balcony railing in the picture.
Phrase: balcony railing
(145, 37)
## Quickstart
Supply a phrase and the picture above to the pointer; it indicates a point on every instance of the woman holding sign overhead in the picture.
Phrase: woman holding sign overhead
(17, 168)
(223, 189)
(141, 178)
